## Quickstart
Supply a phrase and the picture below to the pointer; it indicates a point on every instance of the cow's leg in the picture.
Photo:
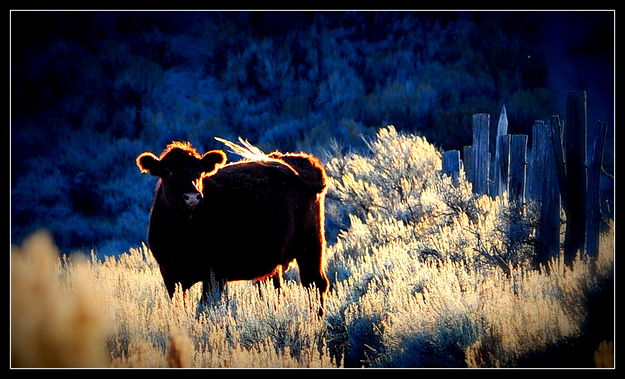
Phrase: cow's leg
(165, 266)
(170, 284)
(186, 300)
(171, 288)
(311, 263)
(276, 280)
(209, 286)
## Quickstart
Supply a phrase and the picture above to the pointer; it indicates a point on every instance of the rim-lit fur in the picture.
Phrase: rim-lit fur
(256, 216)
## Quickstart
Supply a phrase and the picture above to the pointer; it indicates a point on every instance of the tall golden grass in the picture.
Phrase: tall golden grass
(57, 317)
(116, 313)
(473, 303)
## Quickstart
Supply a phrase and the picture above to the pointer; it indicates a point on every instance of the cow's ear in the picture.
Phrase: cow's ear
(213, 160)
(149, 162)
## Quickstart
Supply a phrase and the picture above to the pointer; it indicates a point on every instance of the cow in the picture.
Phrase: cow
(172, 232)
(213, 222)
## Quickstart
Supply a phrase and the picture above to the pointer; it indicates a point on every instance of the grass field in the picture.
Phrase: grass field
(441, 279)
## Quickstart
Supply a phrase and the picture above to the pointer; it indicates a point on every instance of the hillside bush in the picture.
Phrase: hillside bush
(85, 82)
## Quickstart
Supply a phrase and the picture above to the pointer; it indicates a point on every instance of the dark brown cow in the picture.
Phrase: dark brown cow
(172, 233)
(254, 217)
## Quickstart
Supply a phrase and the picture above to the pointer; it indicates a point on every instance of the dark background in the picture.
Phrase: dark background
(92, 90)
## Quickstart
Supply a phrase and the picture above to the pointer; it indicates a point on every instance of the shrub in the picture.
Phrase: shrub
(396, 192)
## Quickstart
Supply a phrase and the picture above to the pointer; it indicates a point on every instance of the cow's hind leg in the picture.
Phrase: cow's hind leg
(276, 280)
(212, 289)
(275, 277)
(312, 269)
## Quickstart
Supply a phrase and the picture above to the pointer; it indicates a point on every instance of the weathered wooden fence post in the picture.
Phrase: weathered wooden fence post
(596, 139)
(545, 192)
(502, 165)
(550, 209)
(518, 163)
(502, 156)
(535, 172)
(469, 164)
(451, 164)
(556, 140)
(481, 122)
(575, 174)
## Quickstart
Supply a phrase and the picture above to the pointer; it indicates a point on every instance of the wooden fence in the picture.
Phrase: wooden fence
(560, 170)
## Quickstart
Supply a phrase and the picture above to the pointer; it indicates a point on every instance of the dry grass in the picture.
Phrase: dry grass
(388, 306)
(57, 318)
(393, 311)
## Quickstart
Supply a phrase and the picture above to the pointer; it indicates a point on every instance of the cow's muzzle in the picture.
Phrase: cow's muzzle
(192, 198)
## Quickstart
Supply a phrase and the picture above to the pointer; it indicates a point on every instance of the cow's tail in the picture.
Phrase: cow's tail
(245, 149)
(306, 166)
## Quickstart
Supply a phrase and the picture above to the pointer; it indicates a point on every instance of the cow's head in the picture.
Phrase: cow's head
(180, 168)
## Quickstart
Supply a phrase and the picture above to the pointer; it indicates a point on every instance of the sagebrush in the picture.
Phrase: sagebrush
(423, 274)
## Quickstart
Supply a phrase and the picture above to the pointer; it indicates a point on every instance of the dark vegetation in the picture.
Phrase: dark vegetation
(92, 90)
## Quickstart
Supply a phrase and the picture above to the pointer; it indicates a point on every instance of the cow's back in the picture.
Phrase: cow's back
(310, 170)
(250, 214)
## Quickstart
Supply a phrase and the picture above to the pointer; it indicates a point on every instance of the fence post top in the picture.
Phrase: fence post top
(577, 92)
(481, 115)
